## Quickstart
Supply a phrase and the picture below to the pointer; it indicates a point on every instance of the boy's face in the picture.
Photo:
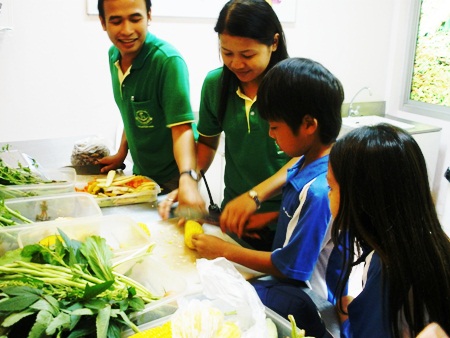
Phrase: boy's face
(292, 144)
(126, 23)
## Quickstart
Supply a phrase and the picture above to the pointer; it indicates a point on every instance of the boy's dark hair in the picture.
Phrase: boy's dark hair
(254, 19)
(101, 8)
(297, 87)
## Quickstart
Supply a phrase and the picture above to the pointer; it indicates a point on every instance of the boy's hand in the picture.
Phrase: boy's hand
(209, 246)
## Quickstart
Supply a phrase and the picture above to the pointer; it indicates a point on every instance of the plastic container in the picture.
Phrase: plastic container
(126, 199)
(122, 233)
(54, 207)
(164, 312)
(64, 181)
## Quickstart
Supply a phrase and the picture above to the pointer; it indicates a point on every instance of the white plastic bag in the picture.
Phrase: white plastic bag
(89, 150)
(221, 281)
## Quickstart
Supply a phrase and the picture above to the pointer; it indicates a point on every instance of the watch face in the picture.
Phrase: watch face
(193, 174)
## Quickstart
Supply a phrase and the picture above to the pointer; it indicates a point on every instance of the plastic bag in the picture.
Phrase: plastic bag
(89, 151)
(222, 283)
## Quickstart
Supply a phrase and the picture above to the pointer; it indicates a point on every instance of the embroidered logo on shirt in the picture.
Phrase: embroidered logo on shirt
(143, 119)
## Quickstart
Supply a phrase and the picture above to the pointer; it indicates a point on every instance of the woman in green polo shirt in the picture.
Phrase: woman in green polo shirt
(251, 42)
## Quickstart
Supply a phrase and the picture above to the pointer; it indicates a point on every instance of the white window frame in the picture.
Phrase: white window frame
(416, 107)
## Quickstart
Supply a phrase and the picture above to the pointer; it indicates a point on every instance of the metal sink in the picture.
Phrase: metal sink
(370, 120)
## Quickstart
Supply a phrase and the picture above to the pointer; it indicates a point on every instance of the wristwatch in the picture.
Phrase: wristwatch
(254, 195)
(192, 173)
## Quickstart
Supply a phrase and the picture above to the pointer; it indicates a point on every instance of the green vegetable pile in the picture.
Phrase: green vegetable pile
(68, 290)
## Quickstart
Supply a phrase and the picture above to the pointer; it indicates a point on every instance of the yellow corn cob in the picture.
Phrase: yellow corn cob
(191, 228)
(162, 331)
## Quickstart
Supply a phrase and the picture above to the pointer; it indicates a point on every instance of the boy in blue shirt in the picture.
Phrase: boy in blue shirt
(302, 101)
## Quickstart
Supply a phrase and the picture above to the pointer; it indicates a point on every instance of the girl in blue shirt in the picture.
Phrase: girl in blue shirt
(380, 197)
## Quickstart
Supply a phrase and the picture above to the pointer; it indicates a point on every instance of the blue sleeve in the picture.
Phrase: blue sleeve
(298, 257)
(345, 329)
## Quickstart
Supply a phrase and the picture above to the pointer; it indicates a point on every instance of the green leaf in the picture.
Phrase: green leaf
(102, 321)
(15, 317)
(61, 321)
(83, 312)
(21, 291)
(114, 330)
(95, 290)
(136, 303)
(11, 257)
(99, 256)
(18, 303)
(48, 303)
(72, 246)
(43, 320)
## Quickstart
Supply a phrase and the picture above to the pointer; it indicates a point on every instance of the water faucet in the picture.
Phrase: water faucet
(355, 111)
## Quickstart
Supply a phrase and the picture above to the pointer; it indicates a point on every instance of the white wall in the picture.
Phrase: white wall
(54, 78)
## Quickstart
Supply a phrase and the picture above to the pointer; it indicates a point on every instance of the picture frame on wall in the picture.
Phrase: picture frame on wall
(203, 9)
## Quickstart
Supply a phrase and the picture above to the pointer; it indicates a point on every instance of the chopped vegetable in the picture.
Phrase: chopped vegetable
(115, 185)
(191, 228)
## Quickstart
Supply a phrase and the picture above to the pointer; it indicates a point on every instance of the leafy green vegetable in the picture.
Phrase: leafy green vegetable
(67, 290)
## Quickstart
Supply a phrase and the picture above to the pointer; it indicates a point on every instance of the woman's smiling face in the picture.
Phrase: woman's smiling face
(246, 58)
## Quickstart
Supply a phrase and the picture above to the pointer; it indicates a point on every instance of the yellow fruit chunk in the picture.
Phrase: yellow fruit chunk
(144, 227)
(50, 240)
(191, 228)
(162, 331)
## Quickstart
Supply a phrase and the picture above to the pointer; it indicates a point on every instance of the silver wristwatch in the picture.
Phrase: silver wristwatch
(254, 195)
(192, 173)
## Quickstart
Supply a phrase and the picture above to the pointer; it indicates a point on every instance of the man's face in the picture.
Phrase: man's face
(126, 23)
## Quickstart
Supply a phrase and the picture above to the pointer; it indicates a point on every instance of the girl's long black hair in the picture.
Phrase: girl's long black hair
(386, 206)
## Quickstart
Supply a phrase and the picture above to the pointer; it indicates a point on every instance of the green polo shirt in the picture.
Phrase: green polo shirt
(251, 155)
(153, 96)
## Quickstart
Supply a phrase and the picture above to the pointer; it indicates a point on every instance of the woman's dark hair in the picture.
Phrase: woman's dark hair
(386, 206)
(253, 19)
(101, 8)
(297, 87)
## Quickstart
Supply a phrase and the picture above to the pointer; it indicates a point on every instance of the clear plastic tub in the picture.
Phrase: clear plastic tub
(126, 199)
(55, 207)
(64, 181)
(163, 312)
(122, 233)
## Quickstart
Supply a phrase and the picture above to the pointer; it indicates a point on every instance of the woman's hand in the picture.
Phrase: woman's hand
(236, 214)
(165, 206)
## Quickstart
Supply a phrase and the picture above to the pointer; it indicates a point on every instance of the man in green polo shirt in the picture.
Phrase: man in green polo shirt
(151, 88)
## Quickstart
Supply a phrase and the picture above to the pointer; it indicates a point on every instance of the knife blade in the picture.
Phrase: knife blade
(90, 169)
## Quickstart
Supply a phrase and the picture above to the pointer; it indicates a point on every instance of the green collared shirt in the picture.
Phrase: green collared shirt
(153, 96)
(251, 155)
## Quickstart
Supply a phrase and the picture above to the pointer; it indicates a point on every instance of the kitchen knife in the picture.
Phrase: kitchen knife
(90, 169)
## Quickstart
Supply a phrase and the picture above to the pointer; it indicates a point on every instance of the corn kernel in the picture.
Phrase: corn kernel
(191, 228)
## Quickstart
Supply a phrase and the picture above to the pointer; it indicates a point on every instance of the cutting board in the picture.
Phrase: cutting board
(170, 248)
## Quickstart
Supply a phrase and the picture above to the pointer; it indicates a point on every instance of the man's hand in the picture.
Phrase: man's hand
(111, 162)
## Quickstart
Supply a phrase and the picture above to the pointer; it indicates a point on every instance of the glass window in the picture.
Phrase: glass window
(429, 85)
